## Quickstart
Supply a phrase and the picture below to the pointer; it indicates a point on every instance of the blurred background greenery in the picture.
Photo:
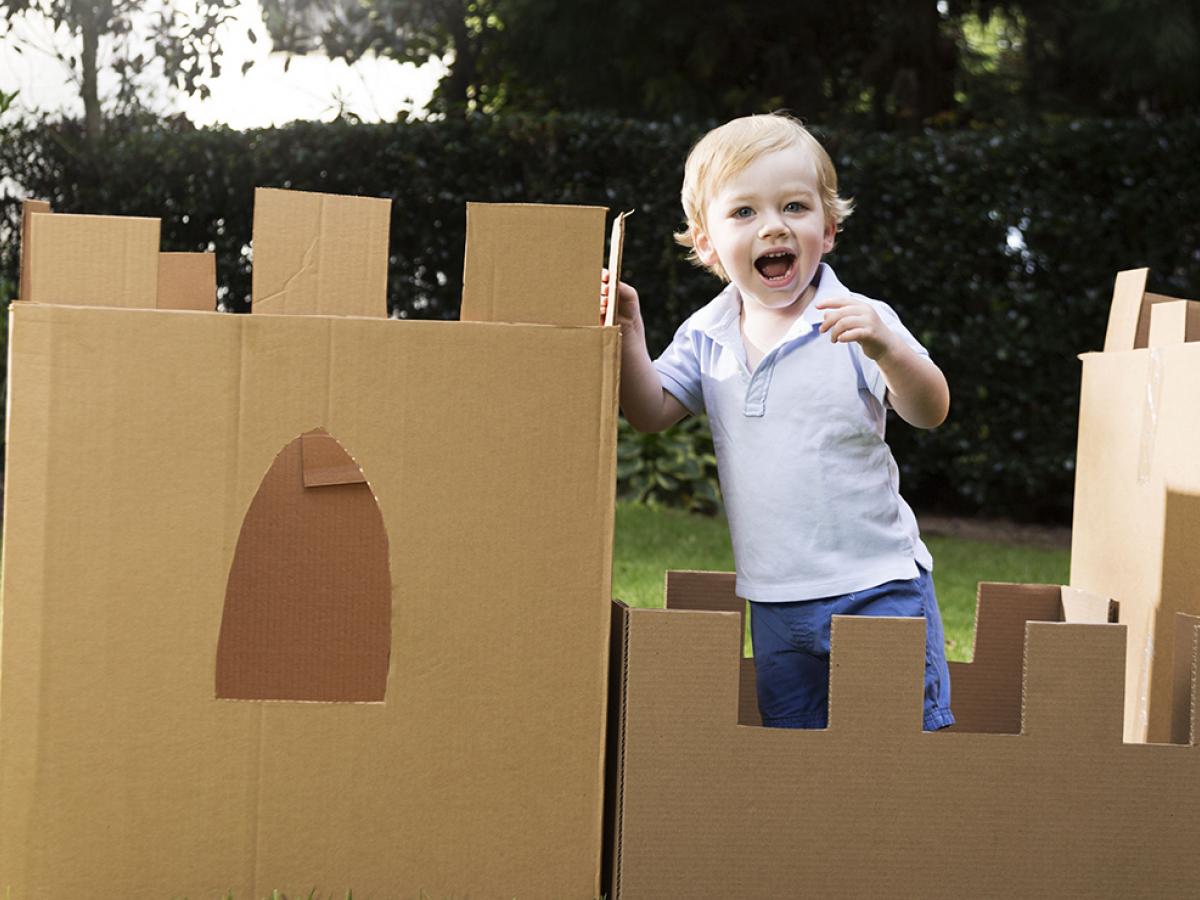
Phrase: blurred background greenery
(1007, 160)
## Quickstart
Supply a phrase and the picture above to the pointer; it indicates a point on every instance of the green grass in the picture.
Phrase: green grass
(650, 540)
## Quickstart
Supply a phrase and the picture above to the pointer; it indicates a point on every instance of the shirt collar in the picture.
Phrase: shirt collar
(726, 329)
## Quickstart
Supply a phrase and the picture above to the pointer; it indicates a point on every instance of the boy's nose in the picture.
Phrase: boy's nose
(771, 225)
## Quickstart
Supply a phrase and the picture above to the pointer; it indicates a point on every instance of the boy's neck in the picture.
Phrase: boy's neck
(762, 327)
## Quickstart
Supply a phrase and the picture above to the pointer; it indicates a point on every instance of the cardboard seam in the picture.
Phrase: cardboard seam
(1152, 402)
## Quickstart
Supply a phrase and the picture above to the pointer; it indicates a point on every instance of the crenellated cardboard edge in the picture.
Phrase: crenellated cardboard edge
(1140, 320)
(323, 254)
(680, 751)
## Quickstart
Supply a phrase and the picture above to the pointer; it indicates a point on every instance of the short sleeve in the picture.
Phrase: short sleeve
(679, 368)
(871, 372)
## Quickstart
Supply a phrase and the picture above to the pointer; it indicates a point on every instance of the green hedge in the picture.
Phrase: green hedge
(934, 234)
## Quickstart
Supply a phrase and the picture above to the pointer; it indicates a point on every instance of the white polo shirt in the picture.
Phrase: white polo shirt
(811, 490)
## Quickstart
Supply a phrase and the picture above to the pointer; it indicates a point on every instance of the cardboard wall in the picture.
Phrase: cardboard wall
(872, 806)
(138, 440)
(1136, 520)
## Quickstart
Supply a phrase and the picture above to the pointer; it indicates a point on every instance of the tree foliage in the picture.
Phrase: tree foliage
(880, 63)
(133, 39)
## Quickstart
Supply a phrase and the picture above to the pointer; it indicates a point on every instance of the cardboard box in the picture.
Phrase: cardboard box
(707, 805)
(398, 533)
(1136, 520)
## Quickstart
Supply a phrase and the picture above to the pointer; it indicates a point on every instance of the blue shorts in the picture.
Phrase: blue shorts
(791, 651)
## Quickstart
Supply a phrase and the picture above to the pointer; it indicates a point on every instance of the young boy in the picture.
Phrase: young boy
(795, 372)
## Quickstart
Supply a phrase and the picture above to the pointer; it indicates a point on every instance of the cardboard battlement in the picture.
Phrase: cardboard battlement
(1136, 520)
(270, 581)
(704, 800)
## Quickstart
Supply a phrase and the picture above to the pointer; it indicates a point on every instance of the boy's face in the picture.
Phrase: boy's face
(767, 228)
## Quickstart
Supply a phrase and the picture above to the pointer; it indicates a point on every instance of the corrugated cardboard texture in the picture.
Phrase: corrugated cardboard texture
(1136, 521)
(93, 260)
(1174, 322)
(1183, 703)
(187, 281)
(874, 807)
(529, 262)
(491, 452)
(319, 254)
(309, 602)
(28, 208)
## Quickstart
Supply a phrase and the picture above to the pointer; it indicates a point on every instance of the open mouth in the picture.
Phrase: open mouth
(776, 266)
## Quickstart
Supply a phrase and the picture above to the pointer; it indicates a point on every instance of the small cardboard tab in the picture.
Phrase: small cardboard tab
(326, 462)
(187, 281)
(1126, 310)
(1086, 608)
(1074, 683)
(93, 260)
(28, 208)
(320, 254)
(1174, 322)
(876, 675)
(529, 262)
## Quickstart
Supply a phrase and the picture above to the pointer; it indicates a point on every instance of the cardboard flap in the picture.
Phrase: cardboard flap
(325, 462)
(1184, 669)
(1074, 689)
(616, 253)
(876, 675)
(308, 605)
(187, 281)
(1125, 310)
(320, 254)
(1085, 608)
(536, 263)
(93, 260)
(987, 691)
(1174, 322)
(28, 208)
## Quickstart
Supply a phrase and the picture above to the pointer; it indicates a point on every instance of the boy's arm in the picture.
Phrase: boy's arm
(647, 405)
(916, 388)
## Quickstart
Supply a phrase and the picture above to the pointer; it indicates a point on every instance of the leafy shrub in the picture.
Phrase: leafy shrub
(997, 247)
(676, 467)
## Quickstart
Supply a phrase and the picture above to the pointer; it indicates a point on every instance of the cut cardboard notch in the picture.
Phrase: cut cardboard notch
(93, 260)
(308, 605)
(532, 262)
(319, 254)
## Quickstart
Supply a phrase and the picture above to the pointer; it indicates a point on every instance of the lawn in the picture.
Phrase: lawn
(650, 540)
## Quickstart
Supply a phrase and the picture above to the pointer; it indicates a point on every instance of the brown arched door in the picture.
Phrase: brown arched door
(308, 605)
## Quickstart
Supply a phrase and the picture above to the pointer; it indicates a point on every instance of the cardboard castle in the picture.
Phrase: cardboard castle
(313, 599)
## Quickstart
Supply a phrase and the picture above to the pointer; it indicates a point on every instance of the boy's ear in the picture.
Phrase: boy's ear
(704, 248)
(830, 233)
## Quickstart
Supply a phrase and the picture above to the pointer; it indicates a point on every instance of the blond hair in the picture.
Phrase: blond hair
(727, 150)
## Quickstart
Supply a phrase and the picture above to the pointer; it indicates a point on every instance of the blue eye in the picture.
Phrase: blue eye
(743, 212)
(795, 206)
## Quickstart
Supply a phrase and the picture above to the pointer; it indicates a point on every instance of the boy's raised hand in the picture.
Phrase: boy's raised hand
(852, 320)
(629, 314)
